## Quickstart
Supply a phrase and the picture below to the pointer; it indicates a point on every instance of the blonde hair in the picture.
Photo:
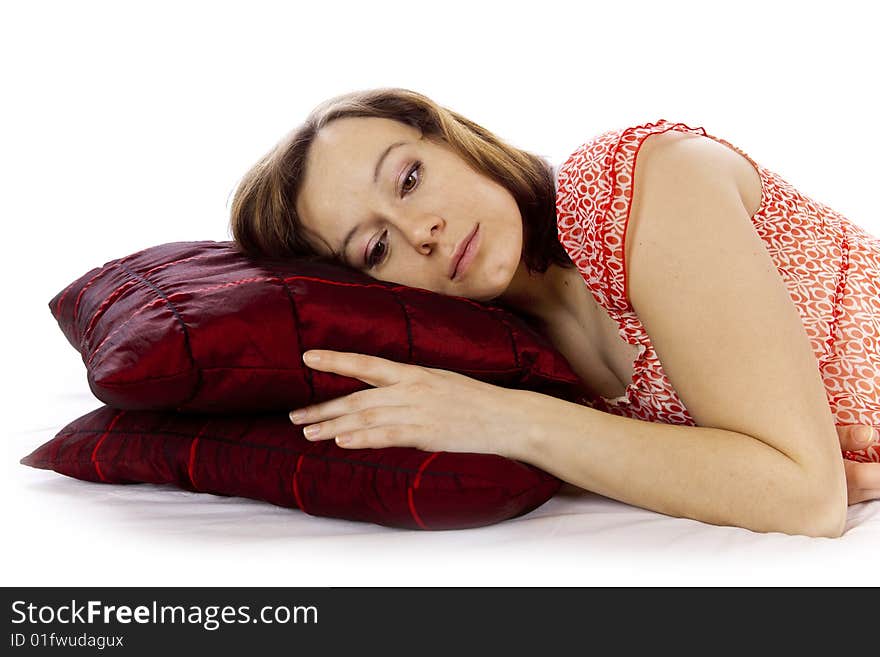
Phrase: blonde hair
(264, 222)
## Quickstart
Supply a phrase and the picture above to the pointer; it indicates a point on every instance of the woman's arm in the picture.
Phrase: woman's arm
(765, 454)
(709, 474)
(712, 475)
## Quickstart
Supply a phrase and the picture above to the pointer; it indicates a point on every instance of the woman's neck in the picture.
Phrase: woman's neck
(548, 296)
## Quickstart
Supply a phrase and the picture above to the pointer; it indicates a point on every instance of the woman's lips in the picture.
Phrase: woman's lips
(469, 252)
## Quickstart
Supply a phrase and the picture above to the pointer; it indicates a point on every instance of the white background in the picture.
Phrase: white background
(124, 125)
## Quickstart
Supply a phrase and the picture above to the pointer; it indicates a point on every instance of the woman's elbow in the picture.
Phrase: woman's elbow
(812, 521)
(825, 525)
(828, 513)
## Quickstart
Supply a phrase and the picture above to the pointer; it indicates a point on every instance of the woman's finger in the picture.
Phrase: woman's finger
(855, 437)
(862, 476)
(395, 435)
(866, 496)
(368, 418)
(373, 370)
(856, 476)
(861, 495)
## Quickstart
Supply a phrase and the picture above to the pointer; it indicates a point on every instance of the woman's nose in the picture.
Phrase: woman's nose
(428, 235)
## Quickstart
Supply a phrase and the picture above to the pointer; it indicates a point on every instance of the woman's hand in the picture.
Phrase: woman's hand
(862, 479)
(413, 406)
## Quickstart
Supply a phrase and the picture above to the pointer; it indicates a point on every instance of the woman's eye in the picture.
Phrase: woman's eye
(416, 168)
(377, 253)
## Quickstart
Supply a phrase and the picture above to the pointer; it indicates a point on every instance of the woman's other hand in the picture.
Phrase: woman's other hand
(862, 479)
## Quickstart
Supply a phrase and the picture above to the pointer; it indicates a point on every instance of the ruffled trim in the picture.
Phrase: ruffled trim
(640, 366)
(620, 164)
(839, 290)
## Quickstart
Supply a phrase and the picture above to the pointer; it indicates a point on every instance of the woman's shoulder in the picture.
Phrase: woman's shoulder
(610, 161)
(586, 179)
(595, 192)
(611, 147)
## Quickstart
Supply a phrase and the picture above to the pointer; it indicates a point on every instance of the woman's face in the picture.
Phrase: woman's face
(405, 224)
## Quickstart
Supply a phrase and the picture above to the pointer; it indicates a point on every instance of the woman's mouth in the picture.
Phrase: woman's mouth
(468, 253)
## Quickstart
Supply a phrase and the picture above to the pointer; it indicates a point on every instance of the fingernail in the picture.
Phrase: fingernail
(297, 416)
(867, 435)
(311, 357)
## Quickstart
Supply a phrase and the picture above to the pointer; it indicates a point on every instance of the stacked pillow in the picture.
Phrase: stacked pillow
(196, 350)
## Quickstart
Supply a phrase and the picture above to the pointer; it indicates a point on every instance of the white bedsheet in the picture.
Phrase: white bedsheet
(62, 531)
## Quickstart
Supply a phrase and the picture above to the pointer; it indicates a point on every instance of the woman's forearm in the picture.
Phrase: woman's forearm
(712, 475)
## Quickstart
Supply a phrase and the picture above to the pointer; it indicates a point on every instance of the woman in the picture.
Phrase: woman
(686, 243)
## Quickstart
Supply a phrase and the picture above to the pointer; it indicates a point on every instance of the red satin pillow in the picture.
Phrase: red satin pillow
(265, 457)
(181, 330)
(198, 326)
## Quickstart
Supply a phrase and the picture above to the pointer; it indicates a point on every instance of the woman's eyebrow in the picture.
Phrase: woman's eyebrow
(382, 159)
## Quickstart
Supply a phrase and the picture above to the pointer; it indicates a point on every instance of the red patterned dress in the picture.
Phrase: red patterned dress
(830, 266)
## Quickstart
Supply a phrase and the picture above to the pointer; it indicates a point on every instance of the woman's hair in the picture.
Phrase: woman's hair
(263, 218)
